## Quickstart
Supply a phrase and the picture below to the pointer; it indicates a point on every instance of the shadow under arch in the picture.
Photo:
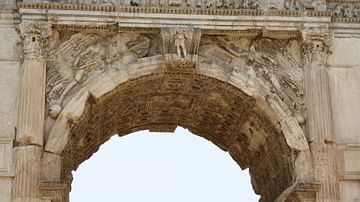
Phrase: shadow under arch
(233, 110)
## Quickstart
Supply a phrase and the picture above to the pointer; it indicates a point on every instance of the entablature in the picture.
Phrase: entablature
(216, 21)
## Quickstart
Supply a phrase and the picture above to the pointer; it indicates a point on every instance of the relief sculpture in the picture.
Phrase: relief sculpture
(77, 58)
(180, 46)
(85, 55)
(281, 70)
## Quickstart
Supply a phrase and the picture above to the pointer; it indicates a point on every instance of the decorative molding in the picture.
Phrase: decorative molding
(6, 146)
(56, 191)
(114, 28)
(348, 161)
(172, 10)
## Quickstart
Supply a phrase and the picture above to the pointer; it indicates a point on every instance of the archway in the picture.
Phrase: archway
(255, 127)
(161, 167)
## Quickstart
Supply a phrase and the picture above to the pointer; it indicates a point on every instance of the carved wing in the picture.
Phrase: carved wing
(77, 44)
(140, 46)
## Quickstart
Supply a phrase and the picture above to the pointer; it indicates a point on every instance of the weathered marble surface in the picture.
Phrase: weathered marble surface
(251, 81)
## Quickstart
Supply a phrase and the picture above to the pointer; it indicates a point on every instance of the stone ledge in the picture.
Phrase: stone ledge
(139, 18)
(172, 10)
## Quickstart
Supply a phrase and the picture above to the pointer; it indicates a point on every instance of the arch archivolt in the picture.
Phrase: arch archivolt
(243, 93)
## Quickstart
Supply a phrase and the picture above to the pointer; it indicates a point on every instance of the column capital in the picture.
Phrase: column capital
(316, 46)
(35, 37)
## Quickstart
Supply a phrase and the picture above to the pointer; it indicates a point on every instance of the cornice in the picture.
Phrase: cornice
(223, 20)
(172, 10)
(277, 23)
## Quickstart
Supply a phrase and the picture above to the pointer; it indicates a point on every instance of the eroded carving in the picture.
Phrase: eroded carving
(277, 62)
(57, 191)
(35, 37)
(315, 47)
(82, 56)
(180, 47)
(343, 9)
(314, 5)
(213, 4)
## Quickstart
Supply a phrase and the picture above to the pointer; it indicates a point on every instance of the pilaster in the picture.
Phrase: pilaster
(319, 120)
(30, 126)
(32, 97)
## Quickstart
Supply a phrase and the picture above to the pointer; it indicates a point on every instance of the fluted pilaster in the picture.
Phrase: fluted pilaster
(27, 169)
(319, 121)
(31, 118)
(32, 97)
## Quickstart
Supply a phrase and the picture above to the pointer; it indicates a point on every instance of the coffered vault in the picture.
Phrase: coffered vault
(256, 78)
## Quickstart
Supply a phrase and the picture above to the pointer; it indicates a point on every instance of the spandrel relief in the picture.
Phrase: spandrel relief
(277, 63)
(77, 58)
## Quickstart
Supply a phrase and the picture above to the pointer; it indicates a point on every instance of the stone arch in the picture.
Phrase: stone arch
(235, 110)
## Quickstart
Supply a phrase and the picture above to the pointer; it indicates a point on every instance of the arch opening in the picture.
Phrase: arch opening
(160, 167)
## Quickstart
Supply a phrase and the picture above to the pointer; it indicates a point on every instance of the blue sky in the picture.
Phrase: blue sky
(161, 167)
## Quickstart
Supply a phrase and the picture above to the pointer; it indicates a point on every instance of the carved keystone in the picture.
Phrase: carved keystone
(180, 47)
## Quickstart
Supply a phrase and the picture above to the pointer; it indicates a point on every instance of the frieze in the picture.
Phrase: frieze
(213, 4)
(346, 11)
